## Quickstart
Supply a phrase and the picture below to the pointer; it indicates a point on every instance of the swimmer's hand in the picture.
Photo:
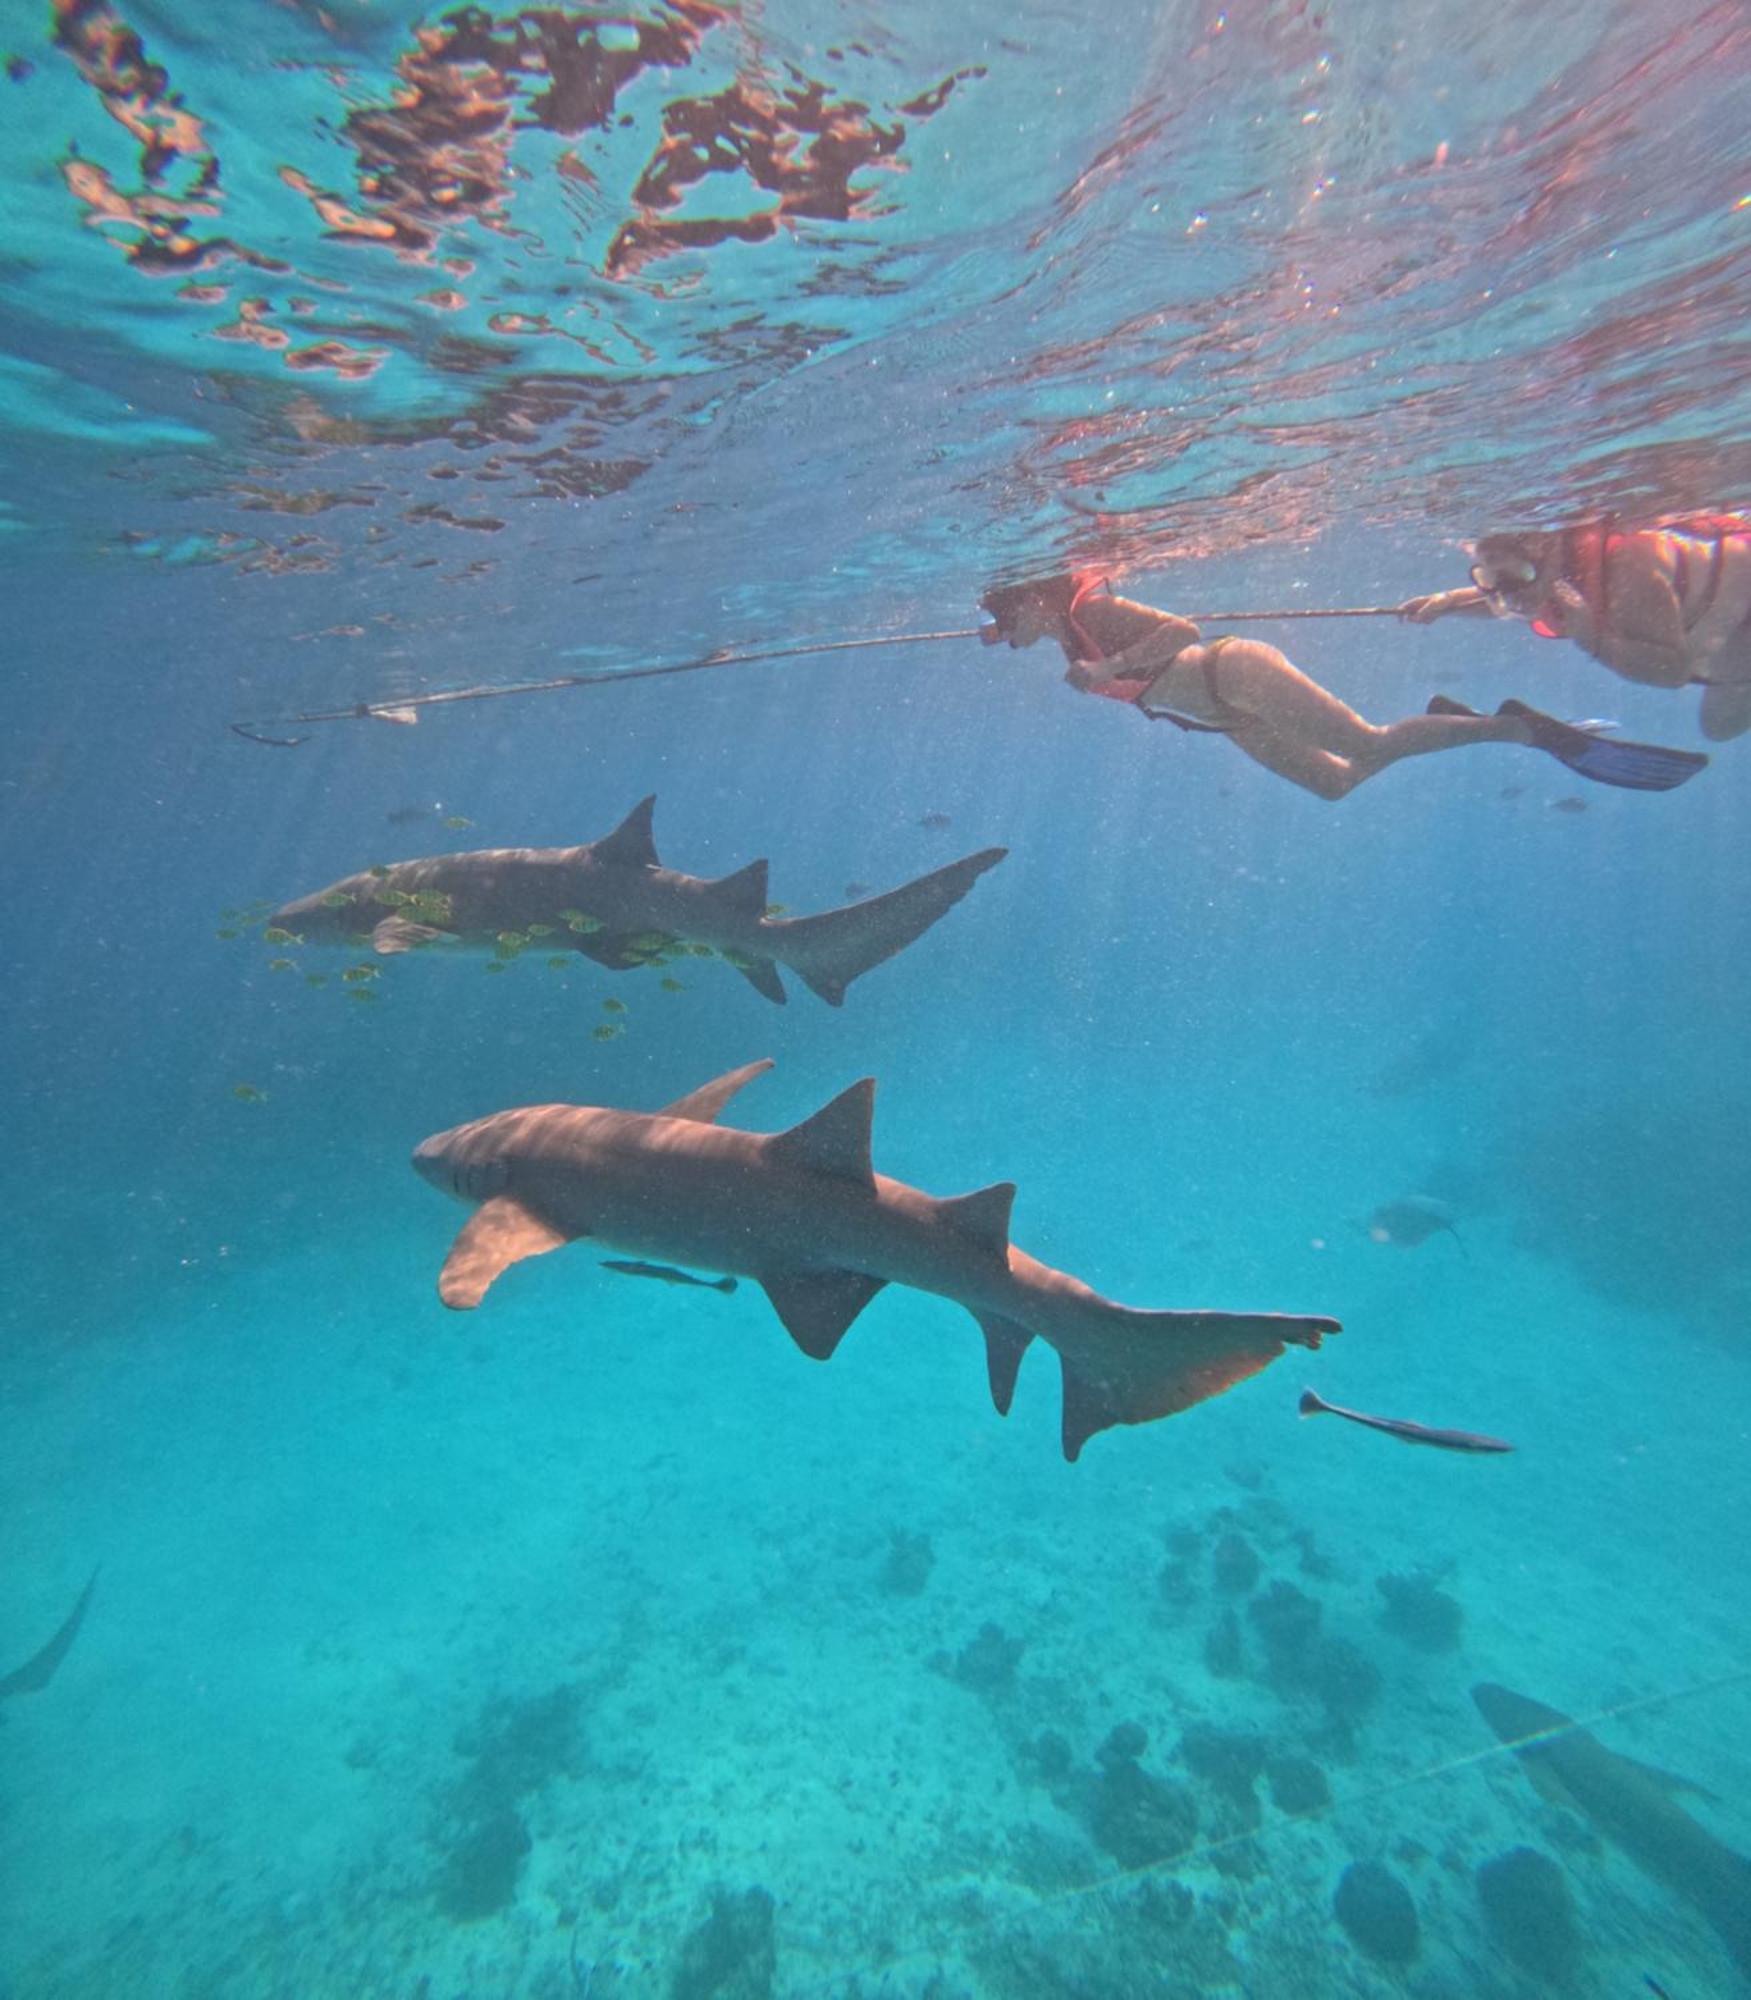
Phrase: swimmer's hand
(1441, 604)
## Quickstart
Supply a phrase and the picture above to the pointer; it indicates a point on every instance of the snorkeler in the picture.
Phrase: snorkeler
(1670, 607)
(1248, 691)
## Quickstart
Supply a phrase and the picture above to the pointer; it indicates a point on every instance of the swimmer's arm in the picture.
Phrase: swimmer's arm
(1469, 602)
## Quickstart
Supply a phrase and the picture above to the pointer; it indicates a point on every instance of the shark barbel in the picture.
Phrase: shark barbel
(805, 1215)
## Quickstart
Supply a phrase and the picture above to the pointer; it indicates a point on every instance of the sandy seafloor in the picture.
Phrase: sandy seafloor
(335, 1531)
(614, 1558)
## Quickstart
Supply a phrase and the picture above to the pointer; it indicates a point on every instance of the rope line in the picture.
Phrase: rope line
(1125, 1878)
(406, 709)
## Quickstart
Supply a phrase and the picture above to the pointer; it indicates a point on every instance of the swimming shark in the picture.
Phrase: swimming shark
(1631, 1805)
(805, 1215)
(39, 1669)
(615, 902)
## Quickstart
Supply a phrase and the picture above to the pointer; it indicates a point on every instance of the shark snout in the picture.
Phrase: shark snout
(458, 1168)
(431, 1161)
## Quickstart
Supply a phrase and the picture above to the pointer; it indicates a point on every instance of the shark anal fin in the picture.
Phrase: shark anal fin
(981, 1217)
(835, 1140)
(702, 1106)
(396, 934)
(1005, 1344)
(745, 891)
(826, 986)
(762, 975)
(817, 1307)
(1133, 1367)
(631, 844)
(500, 1233)
(613, 949)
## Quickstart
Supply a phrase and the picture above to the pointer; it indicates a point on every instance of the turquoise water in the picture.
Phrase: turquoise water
(597, 1641)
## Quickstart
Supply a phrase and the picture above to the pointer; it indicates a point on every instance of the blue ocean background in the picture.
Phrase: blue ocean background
(597, 1641)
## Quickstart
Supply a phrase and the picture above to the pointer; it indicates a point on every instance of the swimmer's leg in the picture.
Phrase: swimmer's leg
(1300, 729)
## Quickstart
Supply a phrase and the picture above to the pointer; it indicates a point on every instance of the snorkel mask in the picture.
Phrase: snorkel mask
(1518, 574)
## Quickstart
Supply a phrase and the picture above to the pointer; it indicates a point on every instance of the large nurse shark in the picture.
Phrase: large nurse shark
(805, 1214)
(615, 902)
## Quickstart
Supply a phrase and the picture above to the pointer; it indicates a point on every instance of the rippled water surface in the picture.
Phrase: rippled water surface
(598, 1642)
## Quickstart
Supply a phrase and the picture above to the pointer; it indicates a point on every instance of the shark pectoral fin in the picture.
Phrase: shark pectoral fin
(835, 1139)
(395, 934)
(500, 1233)
(818, 1306)
(1673, 1781)
(703, 1105)
(762, 975)
(631, 844)
(1005, 1344)
(1129, 1367)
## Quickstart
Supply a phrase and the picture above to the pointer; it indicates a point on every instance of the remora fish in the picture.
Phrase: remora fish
(805, 1215)
(666, 1274)
(1402, 1427)
(627, 896)
(1631, 1805)
(39, 1669)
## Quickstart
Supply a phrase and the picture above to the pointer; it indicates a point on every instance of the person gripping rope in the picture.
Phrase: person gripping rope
(1669, 607)
(1250, 693)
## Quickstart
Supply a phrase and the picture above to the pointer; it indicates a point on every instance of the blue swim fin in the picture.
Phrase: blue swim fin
(1633, 767)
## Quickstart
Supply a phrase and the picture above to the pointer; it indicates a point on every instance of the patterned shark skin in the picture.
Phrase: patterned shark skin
(623, 893)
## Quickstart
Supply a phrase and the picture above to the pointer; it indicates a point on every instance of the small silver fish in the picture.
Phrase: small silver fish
(1568, 805)
(666, 1274)
(936, 822)
(1403, 1429)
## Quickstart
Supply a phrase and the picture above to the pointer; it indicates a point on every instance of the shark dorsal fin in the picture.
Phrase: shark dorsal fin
(981, 1217)
(631, 845)
(836, 1139)
(745, 890)
(703, 1105)
(818, 1306)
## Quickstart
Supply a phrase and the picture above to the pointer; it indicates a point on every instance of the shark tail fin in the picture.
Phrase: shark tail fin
(828, 952)
(1127, 1367)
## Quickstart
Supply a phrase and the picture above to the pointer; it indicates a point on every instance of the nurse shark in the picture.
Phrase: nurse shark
(1632, 1806)
(615, 902)
(804, 1214)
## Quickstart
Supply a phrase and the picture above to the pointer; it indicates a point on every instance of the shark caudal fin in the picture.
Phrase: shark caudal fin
(828, 952)
(1127, 1367)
